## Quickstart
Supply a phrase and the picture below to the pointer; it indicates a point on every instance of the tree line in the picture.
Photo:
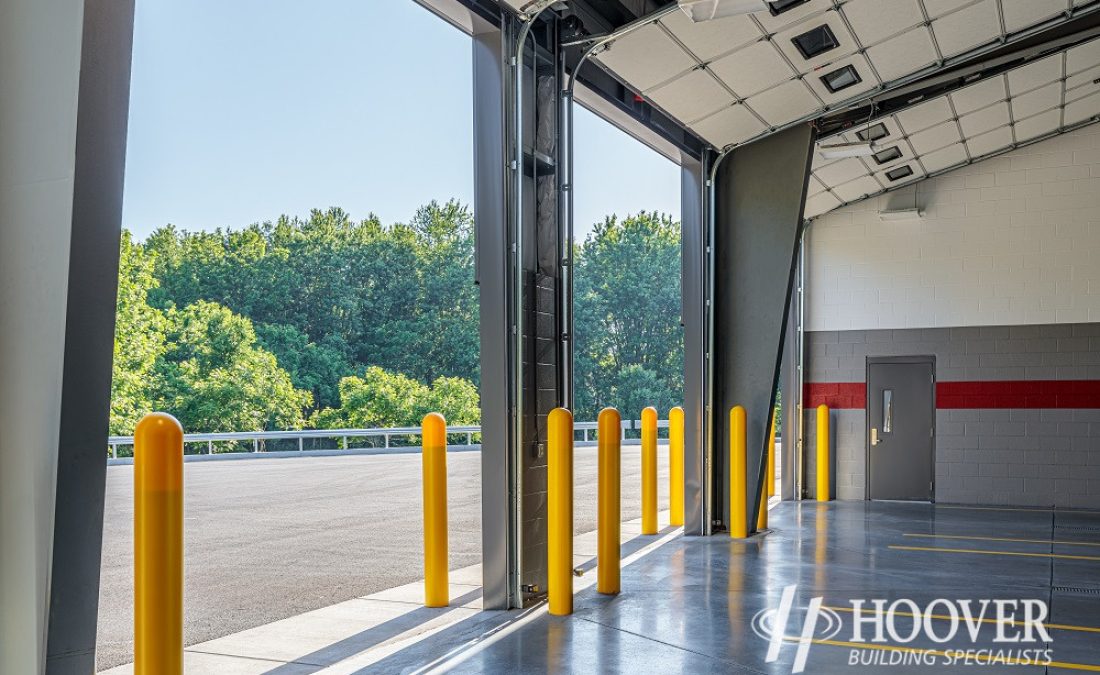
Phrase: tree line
(329, 322)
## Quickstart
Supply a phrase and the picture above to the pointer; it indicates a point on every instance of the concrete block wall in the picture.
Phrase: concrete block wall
(1000, 281)
(1007, 241)
(993, 446)
(1019, 456)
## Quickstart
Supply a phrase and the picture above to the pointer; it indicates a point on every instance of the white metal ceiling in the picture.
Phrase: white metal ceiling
(734, 79)
(1042, 98)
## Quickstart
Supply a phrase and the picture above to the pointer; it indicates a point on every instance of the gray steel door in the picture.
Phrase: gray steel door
(900, 428)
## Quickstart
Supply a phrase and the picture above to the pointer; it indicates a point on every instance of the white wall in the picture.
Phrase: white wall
(40, 42)
(1007, 241)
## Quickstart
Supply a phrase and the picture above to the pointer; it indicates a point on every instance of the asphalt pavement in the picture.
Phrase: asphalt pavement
(266, 539)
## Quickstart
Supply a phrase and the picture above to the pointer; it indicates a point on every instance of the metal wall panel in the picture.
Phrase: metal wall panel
(692, 317)
(498, 469)
(760, 194)
(99, 170)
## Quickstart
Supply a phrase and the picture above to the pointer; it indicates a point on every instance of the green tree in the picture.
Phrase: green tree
(384, 399)
(215, 377)
(315, 366)
(139, 339)
(629, 342)
(401, 297)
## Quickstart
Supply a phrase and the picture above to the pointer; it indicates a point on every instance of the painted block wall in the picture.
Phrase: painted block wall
(1030, 437)
(1000, 280)
(1008, 241)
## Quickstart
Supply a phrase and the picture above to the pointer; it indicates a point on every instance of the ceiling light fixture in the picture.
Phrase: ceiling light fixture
(901, 214)
(706, 10)
(844, 150)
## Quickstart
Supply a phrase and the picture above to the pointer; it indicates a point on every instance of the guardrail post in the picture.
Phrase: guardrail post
(301, 444)
(255, 445)
(822, 466)
(559, 511)
(608, 520)
(158, 546)
(676, 466)
(649, 470)
(387, 440)
(344, 442)
(434, 441)
(770, 475)
(739, 522)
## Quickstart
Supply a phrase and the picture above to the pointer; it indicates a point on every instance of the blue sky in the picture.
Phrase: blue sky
(244, 110)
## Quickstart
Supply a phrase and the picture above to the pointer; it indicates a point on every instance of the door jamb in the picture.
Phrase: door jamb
(878, 360)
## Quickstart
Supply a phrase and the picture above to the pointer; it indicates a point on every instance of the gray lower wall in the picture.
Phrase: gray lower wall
(1021, 457)
(1025, 457)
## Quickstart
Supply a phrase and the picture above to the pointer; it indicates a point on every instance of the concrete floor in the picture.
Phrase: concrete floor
(267, 539)
(689, 604)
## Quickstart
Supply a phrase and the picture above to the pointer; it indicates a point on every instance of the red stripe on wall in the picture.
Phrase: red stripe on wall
(836, 395)
(1019, 394)
(986, 394)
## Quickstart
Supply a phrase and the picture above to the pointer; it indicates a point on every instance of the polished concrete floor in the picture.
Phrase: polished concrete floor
(705, 605)
(689, 605)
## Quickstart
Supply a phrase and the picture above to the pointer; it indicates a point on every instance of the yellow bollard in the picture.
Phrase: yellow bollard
(559, 511)
(771, 458)
(739, 520)
(676, 466)
(822, 466)
(158, 546)
(434, 441)
(649, 470)
(608, 524)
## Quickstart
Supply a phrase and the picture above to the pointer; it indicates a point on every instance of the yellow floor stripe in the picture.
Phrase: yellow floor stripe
(1008, 622)
(979, 551)
(1022, 541)
(1004, 508)
(954, 653)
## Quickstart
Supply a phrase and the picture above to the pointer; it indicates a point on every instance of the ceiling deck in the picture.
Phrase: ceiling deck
(1047, 96)
(736, 79)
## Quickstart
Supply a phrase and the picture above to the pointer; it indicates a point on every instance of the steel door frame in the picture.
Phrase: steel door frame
(919, 359)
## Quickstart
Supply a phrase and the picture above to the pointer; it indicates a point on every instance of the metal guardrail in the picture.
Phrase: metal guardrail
(385, 433)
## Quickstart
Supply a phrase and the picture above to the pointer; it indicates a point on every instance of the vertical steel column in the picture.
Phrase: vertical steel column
(791, 386)
(499, 489)
(98, 172)
(519, 270)
(693, 318)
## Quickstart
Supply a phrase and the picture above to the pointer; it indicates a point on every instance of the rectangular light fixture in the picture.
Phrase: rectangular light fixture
(901, 214)
(815, 41)
(899, 173)
(841, 78)
(873, 133)
(888, 155)
(843, 150)
(706, 10)
(777, 7)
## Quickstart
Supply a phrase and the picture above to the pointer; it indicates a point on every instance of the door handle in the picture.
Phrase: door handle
(874, 437)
